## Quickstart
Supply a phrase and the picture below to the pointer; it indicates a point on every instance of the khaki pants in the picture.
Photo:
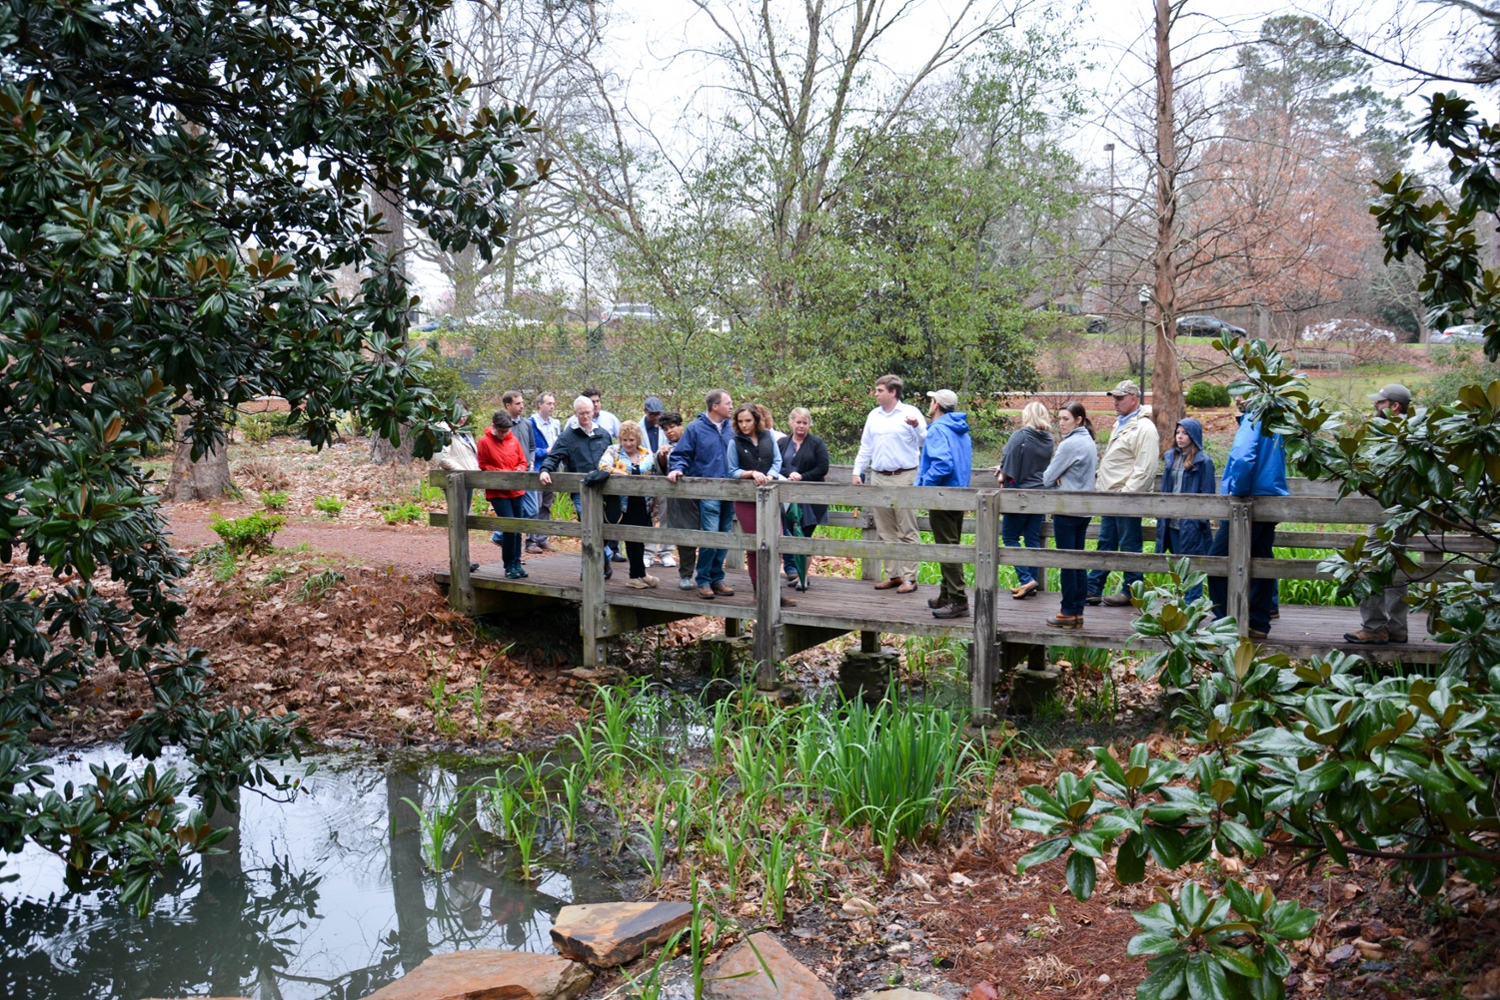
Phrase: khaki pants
(896, 524)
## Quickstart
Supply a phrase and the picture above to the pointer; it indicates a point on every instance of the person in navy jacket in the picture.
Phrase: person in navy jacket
(703, 452)
(1188, 470)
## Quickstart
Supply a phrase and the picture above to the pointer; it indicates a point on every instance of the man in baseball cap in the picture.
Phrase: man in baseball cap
(1396, 394)
(1128, 466)
(1382, 615)
(947, 460)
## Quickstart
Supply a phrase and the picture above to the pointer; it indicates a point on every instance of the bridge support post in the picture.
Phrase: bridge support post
(768, 586)
(869, 569)
(1241, 523)
(986, 649)
(592, 559)
(460, 588)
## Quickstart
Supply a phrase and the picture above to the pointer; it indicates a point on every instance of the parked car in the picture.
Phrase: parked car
(618, 312)
(497, 318)
(1464, 333)
(1207, 326)
(1349, 331)
(1094, 323)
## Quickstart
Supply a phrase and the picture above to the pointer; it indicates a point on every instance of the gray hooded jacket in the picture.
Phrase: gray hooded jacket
(1074, 462)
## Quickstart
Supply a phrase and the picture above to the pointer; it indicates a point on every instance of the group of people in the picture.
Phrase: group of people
(902, 446)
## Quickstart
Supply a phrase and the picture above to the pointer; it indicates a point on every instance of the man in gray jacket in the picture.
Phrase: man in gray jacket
(515, 405)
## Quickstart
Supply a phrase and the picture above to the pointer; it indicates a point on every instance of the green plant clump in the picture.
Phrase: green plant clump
(405, 512)
(1203, 395)
(328, 505)
(274, 499)
(249, 534)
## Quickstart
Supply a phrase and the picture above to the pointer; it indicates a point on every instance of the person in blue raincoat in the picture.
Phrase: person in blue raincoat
(1256, 467)
(947, 460)
(1188, 470)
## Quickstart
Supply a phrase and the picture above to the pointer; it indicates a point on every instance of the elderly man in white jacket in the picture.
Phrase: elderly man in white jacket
(461, 455)
(1128, 466)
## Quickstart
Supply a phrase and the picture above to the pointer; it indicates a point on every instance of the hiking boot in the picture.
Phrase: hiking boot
(939, 601)
(1398, 638)
(1093, 600)
(1118, 600)
(723, 590)
(707, 593)
(952, 610)
(787, 602)
(1367, 638)
(686, 583)
(1061, 620)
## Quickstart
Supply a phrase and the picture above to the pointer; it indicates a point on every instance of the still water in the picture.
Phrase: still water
(321, 898)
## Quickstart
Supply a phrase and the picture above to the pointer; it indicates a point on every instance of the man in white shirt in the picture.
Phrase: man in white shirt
(544, 429)
(890, 449)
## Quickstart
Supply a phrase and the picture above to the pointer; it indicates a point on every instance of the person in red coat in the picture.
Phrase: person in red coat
(501, 451)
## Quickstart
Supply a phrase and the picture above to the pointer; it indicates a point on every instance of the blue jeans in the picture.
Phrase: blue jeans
(1071, 533)
(1116, 534)
(1015, 528)
(713, 515)
(1169, 539)
(510, 541)
(1262, 592)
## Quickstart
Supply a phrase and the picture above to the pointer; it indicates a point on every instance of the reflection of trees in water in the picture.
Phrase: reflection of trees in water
(226, 928)
(72, 947)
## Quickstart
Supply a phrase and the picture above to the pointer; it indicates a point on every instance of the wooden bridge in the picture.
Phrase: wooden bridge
(1001, 631)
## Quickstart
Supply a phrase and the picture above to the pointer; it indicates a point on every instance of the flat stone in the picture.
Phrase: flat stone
(793, 979)
(490, 974)
(609, 934)
(1338, 956)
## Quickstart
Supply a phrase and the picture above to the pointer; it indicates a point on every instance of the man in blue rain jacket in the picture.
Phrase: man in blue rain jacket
(1256, 467)
(947, 460)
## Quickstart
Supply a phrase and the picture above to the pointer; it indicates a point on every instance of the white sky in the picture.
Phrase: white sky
(656, 50)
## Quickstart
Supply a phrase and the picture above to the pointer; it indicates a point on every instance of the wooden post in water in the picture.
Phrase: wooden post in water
(460, 588)
(1241, 523)
(984, 661)
(768, 586)
(592, 559)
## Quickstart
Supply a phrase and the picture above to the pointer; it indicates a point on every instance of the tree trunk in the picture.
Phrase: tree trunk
(382, 452)
(206, 479)
(1166, 376)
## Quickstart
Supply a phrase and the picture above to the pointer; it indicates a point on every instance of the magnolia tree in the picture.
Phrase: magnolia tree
(182, 181)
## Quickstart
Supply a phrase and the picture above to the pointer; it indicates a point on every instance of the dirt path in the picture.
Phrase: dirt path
(410, 547)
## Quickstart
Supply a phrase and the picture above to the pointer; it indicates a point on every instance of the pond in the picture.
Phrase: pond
(324, 897)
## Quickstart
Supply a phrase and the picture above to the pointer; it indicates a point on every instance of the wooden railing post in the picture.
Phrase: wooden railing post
(460, 588)
(768, 586)
(1241, 523)
(984, 661)
(592, 518)
(869, 569)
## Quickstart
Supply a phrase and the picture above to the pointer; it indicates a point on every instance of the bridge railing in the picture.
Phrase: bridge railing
(983, 508)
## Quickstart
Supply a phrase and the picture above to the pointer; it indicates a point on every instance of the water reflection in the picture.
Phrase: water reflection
(324, 898)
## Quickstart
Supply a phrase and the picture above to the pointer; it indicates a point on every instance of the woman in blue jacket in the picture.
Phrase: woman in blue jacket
(1188, 470)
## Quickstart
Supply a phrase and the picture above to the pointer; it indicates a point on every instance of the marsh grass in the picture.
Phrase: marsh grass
(440, 823)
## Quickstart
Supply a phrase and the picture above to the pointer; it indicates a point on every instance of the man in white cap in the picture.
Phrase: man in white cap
(890, 449)
(1128, 466)
(947, 460)
(1382, 615)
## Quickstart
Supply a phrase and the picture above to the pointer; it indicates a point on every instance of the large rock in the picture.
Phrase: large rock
(793, 980)
(609, 934)
(490, 974)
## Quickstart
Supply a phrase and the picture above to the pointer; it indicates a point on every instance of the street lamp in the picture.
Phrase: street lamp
(1109, 148)
(1145, 296)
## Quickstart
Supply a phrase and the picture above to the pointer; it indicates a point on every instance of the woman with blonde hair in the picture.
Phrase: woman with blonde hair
(630, 458)
(1025, 458)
